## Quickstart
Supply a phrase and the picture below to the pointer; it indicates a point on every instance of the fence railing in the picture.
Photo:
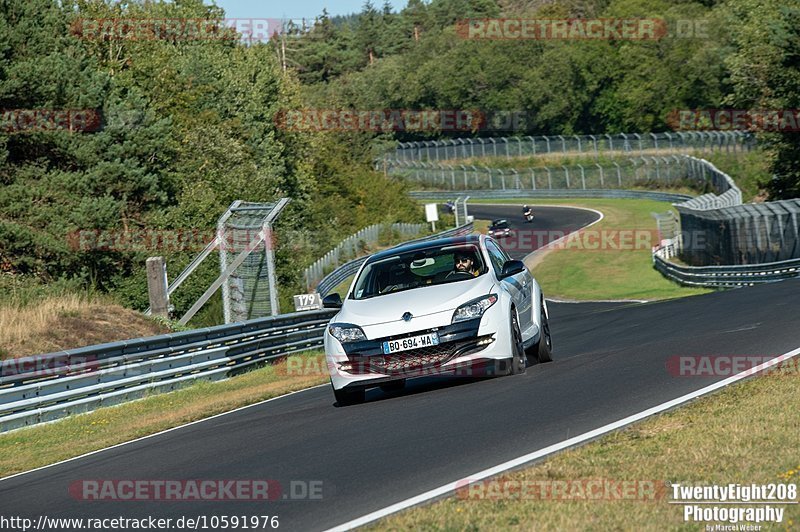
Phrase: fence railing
(336, 277)
(47, 387)
(629, 143)
(666, 171)
(544, 194)
(351, 247)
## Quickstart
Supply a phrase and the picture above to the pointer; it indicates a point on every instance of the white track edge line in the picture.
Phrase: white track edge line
(195, 422)
(511, 464)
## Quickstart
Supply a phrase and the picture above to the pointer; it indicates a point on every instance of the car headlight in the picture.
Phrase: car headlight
(474, 309)
(344, 332)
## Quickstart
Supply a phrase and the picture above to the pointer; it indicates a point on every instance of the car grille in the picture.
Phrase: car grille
(422, 358)
(411, 362)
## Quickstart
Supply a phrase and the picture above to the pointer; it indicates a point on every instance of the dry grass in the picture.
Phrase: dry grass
(744, 434)
(67, 321)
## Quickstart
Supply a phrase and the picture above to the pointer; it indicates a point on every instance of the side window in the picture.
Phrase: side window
(496, 256)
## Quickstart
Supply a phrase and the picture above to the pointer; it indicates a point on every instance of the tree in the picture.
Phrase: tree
(765, 72)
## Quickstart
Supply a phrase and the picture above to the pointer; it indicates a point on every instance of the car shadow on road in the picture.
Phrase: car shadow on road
(428, 384)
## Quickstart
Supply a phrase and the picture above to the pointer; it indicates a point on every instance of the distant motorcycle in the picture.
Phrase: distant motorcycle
(528, 216)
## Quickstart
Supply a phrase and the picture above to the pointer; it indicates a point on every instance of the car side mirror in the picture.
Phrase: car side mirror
(332, 301)
(512, 267)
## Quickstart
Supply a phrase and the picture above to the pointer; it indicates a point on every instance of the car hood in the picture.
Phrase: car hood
(419, 302)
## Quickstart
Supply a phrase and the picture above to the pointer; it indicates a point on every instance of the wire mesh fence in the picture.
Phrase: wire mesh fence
(669, 171)
(353, 246)
(634, 144)
(250, 291)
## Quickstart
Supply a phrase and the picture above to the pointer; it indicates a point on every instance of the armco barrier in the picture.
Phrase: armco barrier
(727, 276)
(344, 271)
(38, 389)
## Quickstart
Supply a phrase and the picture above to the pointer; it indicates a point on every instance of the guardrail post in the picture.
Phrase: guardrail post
(157, 286)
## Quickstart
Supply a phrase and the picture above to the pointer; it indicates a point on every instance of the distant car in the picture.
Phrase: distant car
(436, 307)
(499, 229)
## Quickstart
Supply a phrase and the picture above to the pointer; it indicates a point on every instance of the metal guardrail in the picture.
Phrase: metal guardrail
(726, 276)
(344, 271)
(47, 387)
(545, 194)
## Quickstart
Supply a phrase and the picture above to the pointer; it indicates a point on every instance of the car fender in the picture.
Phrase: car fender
(496, 318)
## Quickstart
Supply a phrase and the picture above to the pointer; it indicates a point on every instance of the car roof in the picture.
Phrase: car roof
(500, 221)
(414, 246)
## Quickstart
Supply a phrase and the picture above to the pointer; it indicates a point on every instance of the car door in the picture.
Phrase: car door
(519, 285)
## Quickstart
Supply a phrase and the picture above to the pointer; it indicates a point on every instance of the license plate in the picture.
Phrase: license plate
(406, 344)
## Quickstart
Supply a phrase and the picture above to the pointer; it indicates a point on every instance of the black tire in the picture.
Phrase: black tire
(393, 386)
(347, 397)
(542, 351)
(519, 361)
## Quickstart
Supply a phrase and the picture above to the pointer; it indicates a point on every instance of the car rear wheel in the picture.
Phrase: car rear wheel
(346, 397)
(542, 351)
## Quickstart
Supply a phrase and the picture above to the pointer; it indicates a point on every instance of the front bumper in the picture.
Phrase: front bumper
(467, 348)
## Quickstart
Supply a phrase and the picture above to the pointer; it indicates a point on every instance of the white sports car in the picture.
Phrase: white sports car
(448, 306)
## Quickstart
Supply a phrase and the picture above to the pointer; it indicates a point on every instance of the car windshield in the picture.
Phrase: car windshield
(415, 269)
(500, 224)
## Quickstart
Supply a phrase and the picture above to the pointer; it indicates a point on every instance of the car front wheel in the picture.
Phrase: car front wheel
(519, 361)
(542, 351)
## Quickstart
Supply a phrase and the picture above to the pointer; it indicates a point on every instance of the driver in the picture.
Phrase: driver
(464, 262)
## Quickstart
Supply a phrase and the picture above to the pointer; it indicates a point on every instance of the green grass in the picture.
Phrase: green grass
(578, 273)
(40, 445)
(744, 434)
